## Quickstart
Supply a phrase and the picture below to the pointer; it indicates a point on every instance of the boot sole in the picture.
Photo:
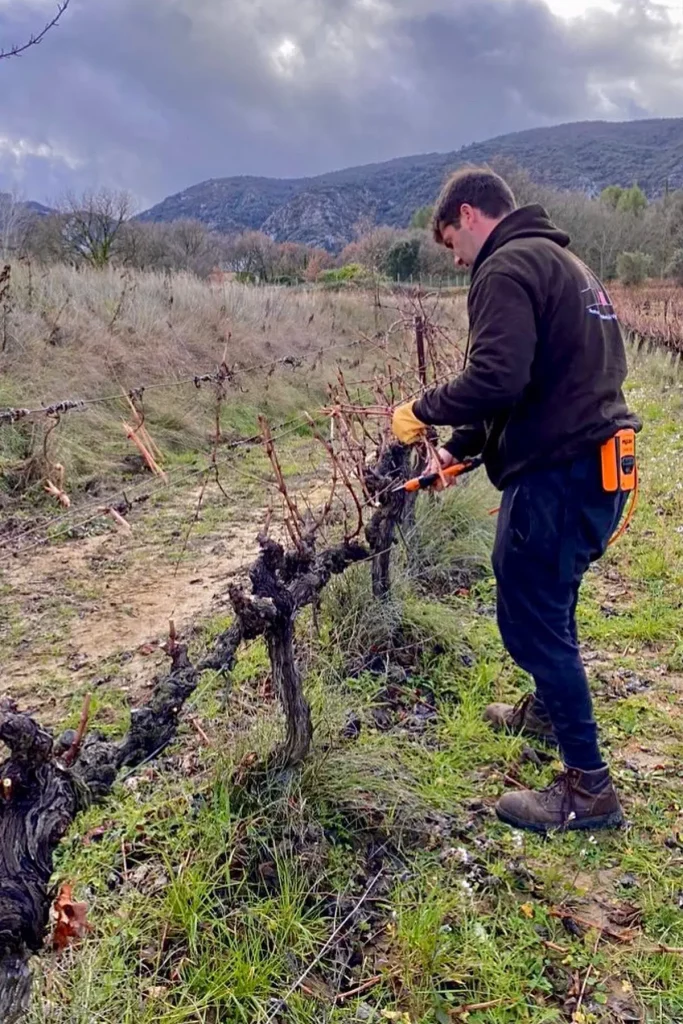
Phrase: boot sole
(606, 821)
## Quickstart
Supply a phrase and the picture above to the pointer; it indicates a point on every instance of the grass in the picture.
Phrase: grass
(166, 330)
(212, 890)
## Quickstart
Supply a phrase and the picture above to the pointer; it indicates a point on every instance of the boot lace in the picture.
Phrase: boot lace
(565, 786)
(521, 709)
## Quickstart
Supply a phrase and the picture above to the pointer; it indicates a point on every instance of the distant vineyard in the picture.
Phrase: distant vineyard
(653, 313)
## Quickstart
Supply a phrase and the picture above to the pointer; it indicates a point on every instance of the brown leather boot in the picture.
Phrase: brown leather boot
(520, 718)
(575, 800)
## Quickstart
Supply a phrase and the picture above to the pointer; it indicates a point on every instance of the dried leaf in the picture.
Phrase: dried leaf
(528, 910)
(626, 915)
(97, 833)
(71, 924)
(157, 991)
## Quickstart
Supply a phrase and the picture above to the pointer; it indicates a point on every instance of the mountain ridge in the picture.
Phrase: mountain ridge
(323, 209)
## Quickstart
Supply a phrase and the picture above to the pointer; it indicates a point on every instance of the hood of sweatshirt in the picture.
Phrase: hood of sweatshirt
(527, 222)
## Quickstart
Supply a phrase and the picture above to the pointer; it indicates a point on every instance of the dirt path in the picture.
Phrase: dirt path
(94, 612)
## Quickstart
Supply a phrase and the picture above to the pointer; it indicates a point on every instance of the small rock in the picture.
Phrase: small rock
(364, 1012)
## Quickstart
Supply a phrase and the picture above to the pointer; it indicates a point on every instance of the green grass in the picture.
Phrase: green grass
(212, 891)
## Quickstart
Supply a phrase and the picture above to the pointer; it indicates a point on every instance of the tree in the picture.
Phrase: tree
(45, 239)
(632, 200)
(92, 224)
(34, 40)
(633, 267)
(624, 200)
(319, 261)
(611, 196)
(675, 267)
(253, 255)
(525, 189)
(192, 247)
(436, 261)
(403, 260)
(143, 246)
(291, 261)
(371, 249)
(422, 218)
(15, 221)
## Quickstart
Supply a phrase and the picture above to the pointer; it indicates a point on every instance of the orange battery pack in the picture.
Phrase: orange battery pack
(618, 456)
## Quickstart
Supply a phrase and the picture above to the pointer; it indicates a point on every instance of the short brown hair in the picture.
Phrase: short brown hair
(481, 188)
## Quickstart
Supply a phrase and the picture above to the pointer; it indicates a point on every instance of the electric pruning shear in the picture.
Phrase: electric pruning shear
(423, 483)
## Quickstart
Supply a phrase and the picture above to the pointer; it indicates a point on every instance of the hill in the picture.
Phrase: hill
(9, 207)
(583, 156)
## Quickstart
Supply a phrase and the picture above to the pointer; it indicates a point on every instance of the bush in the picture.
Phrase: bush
(451, 541)
(633, 267)
(403, 260)
(675, 267)
(351, 272)
(422, 218)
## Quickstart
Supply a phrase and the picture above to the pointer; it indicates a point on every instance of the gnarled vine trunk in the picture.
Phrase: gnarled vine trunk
(384, 480)
(40, 796)
(282, 584)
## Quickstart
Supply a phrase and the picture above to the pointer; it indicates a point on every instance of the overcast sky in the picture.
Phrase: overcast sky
(156, 95)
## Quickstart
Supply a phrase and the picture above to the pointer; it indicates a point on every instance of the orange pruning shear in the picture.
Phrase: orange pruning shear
(423, 483)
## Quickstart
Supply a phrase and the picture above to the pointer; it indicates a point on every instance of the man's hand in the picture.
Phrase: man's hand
(406, 426)
(441, 460)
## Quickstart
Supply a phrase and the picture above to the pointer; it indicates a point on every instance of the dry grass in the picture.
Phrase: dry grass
(77, 334)
(126, 328)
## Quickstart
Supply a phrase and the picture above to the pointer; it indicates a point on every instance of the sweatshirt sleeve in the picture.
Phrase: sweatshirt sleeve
(467, 442)
(502, 351)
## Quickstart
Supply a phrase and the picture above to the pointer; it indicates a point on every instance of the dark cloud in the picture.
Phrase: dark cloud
(155, 95)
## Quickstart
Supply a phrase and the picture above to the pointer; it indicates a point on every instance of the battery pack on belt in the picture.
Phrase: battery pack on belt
(618, 457)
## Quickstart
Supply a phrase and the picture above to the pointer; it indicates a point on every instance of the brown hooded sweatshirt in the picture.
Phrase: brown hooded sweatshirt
(547, 362)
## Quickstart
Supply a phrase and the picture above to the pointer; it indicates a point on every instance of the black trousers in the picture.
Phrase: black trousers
(551, 526)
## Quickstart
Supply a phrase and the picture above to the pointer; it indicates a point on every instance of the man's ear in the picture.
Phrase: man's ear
(468, 215)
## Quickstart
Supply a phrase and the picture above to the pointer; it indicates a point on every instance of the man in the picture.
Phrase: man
(539, 397)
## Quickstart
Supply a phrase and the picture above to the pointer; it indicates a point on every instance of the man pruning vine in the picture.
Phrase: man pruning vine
(541, 400)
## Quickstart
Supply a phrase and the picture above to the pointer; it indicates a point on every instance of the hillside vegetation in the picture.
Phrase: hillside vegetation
(583, 157)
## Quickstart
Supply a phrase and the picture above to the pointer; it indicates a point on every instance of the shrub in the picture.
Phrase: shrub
(633, 267)
(403, 260)
(351, 272)
(675, 267)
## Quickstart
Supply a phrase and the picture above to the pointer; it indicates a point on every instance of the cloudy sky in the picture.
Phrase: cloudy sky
(155, 95)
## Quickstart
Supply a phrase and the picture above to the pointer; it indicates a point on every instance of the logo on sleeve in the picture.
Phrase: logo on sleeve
(598, 301)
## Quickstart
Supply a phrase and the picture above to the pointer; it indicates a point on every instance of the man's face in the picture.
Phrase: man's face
(461, 242)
